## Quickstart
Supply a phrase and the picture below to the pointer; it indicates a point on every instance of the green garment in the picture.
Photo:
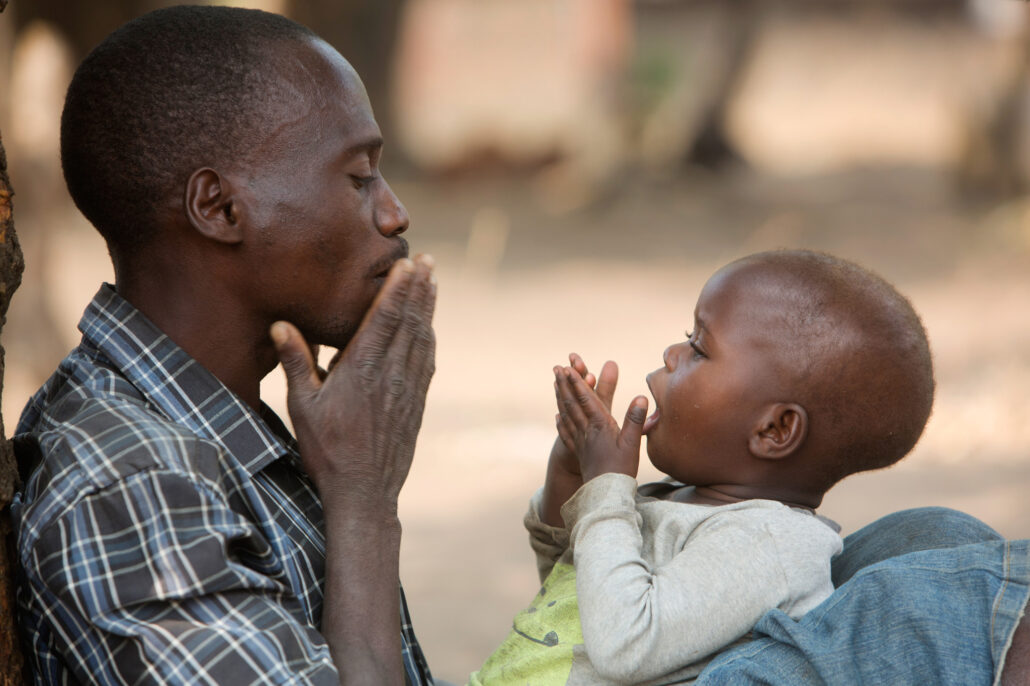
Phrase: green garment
(538, 650)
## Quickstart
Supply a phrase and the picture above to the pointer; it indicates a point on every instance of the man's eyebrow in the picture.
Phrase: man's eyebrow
(369, 144)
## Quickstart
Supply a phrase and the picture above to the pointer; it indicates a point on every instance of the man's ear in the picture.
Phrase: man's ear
(781, 430)
(211, 208)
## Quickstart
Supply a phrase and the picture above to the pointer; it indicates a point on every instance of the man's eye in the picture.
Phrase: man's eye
(362, 181)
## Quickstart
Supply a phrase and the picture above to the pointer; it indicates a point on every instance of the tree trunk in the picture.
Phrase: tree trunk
(11, 265)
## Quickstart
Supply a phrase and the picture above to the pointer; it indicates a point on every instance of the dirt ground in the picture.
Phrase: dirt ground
(520, 288)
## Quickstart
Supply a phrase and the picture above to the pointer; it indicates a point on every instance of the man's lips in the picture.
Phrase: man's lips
(382, 267)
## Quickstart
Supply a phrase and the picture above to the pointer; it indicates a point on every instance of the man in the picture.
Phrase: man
(172, 530)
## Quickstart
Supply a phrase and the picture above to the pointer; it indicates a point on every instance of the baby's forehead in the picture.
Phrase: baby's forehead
(771, 297)
(769, 285)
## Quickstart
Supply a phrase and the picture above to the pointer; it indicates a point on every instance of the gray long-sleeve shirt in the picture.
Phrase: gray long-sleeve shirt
(661, 586)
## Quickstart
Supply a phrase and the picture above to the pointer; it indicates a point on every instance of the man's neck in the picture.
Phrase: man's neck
(211, 330)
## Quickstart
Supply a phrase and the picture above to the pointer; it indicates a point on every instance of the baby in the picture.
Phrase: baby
(801, 369)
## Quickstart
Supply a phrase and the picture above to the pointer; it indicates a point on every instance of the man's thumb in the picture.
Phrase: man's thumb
(295, 357)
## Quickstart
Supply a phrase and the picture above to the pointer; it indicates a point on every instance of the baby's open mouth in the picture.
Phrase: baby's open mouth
(651, 421)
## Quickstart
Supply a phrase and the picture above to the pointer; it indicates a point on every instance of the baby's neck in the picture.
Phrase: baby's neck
(724, 495)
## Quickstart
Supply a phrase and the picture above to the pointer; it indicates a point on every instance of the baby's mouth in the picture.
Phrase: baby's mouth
(651, 421)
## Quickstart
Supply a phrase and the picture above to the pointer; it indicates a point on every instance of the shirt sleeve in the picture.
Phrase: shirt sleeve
(155, 579)
(640, 620)
(548, 542)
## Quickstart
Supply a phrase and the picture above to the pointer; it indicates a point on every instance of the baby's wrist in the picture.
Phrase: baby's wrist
(593, 471)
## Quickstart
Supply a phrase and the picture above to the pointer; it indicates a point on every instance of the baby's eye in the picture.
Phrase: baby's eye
(695, 345)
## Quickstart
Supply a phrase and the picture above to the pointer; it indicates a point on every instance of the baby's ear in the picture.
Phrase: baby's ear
(780, 431)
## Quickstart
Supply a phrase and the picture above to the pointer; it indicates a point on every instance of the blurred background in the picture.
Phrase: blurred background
(579, 168)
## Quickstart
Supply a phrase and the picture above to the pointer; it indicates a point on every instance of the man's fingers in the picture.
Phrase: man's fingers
(416, 337)
(606, 383)
(295, 355)
(322, 372)
(633, 426)
(386, 313)
(429, 296)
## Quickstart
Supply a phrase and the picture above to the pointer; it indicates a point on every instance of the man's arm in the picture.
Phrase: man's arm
(356, 431)
(155, 578)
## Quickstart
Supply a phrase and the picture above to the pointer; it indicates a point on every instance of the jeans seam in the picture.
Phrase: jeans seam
(1001, 592)
(1000, 600)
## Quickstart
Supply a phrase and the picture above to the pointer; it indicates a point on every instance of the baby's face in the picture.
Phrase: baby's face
(711, 390)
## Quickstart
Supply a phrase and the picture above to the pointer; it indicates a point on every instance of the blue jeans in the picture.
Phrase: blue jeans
(942, 615)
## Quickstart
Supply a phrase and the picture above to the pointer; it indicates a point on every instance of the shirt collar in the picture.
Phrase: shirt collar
(180, 387)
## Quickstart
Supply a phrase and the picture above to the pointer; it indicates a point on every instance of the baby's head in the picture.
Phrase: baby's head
(801, 369)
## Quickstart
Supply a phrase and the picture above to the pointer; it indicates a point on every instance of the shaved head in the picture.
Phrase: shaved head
(854, 354)
(167, 93)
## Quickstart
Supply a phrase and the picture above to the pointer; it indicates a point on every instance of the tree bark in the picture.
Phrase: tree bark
(11, 266)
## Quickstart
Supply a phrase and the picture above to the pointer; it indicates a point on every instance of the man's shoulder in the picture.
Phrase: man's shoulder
(88, 429)
(91, 408)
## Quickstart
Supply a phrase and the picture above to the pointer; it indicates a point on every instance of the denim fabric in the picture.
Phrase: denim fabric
(943, 615)
(923, 528)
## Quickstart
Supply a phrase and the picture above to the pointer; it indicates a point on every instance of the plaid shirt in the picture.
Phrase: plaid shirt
(168, 533)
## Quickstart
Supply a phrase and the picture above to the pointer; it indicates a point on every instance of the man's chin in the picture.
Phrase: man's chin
(335, 337)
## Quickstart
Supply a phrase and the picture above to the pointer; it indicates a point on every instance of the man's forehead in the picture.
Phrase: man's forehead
(313, 88)
(315, 71)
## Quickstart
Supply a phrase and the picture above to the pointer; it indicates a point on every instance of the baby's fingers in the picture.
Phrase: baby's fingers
(564, 435)
(606, 383)
(593, 408)
(568, 403)
(577, 363)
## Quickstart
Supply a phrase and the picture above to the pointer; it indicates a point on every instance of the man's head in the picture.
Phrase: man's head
(799, 364)
(239, 145)
(164, 94)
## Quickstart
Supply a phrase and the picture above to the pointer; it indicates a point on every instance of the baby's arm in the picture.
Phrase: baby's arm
(642, 619)
(587, 428)
(563, 474)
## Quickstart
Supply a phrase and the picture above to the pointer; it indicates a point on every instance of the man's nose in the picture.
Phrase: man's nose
(667, 357)
(391, 217)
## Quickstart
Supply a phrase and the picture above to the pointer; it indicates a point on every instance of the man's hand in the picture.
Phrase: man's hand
(587, 428)
(357, 426)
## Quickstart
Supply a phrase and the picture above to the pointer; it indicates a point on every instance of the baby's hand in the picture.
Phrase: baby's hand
(562, 455)
(588, 430)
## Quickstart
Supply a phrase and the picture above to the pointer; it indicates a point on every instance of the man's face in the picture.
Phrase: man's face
(324, 225)
(713, 386)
